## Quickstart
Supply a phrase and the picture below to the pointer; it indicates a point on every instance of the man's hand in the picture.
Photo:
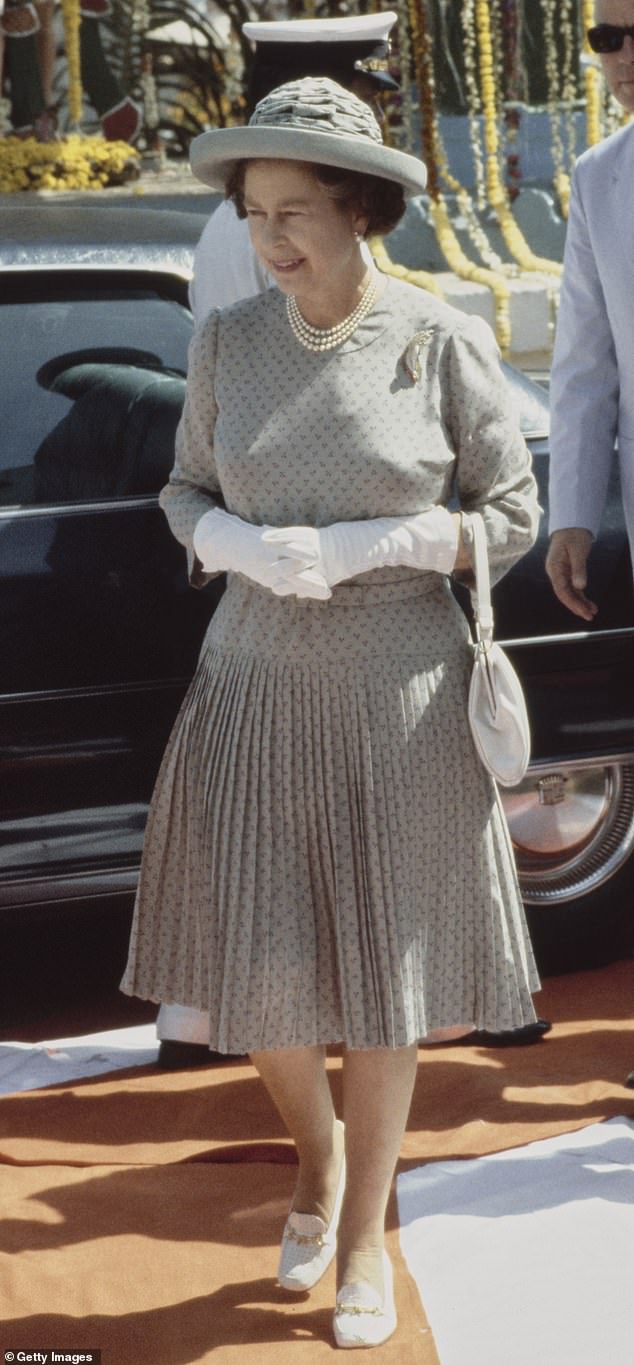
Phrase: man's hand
(566, 563)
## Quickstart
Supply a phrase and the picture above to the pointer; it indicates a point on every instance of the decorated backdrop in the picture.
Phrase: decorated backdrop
(497, 96)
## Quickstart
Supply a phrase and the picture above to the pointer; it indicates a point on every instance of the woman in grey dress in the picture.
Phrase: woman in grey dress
(326, 862)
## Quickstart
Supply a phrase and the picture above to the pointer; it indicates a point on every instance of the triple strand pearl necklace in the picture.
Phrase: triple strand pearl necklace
(327, 338)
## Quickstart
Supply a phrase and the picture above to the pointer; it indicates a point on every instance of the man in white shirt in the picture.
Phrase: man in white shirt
(592, 378)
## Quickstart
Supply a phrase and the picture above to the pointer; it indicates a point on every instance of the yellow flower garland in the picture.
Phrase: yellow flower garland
(593, 80)
(448, 242)
(569, 93)
(468, 270)
(76, 163)
(405, 61)
(422, 278)
(5, 116)
(476, 233)
(514, 238)
(150, 97)
(561, 182)
(474, 105)
(72, 19)
(141, 18)
(552, 75)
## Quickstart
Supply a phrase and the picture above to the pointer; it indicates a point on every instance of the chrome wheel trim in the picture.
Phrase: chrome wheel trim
(601, 856)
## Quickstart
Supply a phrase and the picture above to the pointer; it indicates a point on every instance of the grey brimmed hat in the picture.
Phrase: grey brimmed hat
(312, 120)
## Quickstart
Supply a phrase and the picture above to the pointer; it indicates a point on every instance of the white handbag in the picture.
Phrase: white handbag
(497, 709)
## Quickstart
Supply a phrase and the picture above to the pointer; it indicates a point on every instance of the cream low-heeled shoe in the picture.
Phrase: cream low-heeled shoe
(361, 1318)
(309, 1244)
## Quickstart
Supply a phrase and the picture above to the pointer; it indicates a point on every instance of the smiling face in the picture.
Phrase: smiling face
(303, 237)
(618, 67)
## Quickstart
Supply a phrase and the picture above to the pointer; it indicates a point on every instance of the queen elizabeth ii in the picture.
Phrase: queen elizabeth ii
(326, 860)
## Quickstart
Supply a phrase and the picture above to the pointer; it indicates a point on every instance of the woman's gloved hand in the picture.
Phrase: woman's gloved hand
(224, 542)
(428, 540)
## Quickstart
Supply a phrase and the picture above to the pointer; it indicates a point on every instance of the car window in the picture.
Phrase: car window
(531, 402)
(92, 390)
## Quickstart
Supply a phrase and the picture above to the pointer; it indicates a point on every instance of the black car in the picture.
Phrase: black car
(100, 632)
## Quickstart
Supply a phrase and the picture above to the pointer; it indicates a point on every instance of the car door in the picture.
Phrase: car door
(99, 630)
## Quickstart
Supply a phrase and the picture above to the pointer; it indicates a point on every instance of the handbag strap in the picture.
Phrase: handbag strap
(481, 592)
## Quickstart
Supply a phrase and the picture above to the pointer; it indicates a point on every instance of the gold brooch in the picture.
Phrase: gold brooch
(411, 355)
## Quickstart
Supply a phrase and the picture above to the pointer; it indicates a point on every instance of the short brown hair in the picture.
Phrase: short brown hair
(382, 201)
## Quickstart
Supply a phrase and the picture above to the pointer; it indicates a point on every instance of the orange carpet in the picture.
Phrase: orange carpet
(163, 1195)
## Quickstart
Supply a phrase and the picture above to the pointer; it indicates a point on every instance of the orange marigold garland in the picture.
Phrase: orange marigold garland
(405, 62)
(423, 279)
(510, 82)
(436, 163)
(514, 238)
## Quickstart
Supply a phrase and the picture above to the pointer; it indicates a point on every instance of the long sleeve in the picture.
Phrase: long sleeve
(584, 385)
(493, 473)
(193, 483)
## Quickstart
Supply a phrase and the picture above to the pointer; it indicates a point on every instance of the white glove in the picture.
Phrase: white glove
(223, 542)
(428, 540)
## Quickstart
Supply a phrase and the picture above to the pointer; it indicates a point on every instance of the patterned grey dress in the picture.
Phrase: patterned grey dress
(325, 858)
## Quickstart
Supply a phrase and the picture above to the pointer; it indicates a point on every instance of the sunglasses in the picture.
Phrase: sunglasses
(609, 37)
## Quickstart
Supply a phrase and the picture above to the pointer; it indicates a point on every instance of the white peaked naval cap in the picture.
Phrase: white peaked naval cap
(357, 28)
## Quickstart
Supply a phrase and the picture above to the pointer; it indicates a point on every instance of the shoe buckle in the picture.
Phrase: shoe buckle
(357, 1309)
(315, 1239)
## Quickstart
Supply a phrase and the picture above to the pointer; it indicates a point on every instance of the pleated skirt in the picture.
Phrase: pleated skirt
(325, 858)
